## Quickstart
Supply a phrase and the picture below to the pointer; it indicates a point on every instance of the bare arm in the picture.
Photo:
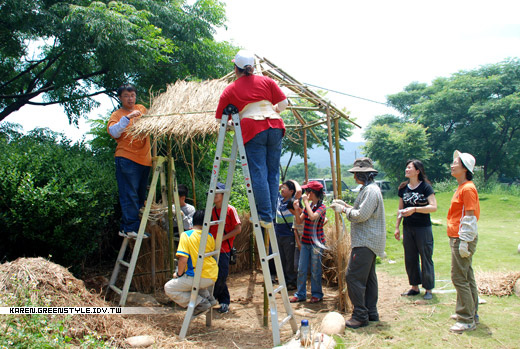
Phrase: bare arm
(181, 266)
(397, 232)
(431, 207)
(312, 215)
(236, 230)
(298, 192)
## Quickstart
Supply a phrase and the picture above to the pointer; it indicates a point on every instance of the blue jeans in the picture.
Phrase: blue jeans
(221, 292)
(132, 179)
(263, 156)
(310, 255)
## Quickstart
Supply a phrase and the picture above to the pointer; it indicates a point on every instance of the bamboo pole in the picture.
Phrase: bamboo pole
(192, 175)
(170, 209)
(305, 164)
(338, 164)
(152, 235)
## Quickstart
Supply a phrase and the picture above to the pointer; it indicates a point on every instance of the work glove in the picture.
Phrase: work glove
(338, 201)
(463, 249)
(338, 207)
(468, 228)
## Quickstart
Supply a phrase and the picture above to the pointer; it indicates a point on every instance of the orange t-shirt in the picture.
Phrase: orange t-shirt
(135, 149)
(464, 199)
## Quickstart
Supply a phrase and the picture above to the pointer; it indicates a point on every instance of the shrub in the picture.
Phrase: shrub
(56, 198)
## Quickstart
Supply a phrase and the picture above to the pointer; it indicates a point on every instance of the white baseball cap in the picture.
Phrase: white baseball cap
(244, 58)
(467, 159)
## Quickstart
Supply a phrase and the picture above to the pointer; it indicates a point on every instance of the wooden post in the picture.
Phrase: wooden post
(170, 209)
(192, 175)
(152, 235)
(305, 165)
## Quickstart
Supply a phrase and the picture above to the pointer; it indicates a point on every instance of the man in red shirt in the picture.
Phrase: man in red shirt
(232, 228)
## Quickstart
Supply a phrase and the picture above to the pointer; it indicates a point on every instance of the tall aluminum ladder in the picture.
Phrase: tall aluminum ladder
(123, 292)
(238, 147)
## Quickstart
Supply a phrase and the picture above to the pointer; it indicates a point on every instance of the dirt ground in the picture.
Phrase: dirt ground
(243, 326)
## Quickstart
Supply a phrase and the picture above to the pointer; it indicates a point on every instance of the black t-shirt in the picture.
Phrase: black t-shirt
(416, 198)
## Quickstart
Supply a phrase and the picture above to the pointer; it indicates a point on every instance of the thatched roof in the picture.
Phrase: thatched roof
(185, 110)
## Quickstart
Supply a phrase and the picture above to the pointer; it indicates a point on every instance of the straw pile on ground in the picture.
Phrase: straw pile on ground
(497, 283)
(38, 282)
(186, 110)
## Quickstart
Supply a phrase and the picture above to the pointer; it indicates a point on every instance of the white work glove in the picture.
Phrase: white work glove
(338, 207)
(463, 249)
(338, 201)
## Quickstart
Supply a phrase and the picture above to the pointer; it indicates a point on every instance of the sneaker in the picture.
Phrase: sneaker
(122, 234)
(224, 308)
(373, 318)
(201, 307)
(460, 327)
(353, 323)
(133, 235)
(295, 299)
(428, 296)
(410, 292)
(454, 317)
(477, 319)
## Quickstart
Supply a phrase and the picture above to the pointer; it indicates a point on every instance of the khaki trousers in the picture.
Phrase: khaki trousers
(464, 281)
(179, 290)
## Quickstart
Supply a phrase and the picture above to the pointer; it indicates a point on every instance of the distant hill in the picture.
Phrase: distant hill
(320, 156)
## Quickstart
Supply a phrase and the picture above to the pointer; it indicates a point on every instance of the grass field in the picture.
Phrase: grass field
(422, 324)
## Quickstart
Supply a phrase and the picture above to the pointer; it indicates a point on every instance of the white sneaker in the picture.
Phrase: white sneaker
(460, 327)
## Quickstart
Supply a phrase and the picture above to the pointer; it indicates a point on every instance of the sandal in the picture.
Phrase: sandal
(315, 299)
(295, 299)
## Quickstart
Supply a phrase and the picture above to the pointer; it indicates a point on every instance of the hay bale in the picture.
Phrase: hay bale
(39, 282)
(497, 283)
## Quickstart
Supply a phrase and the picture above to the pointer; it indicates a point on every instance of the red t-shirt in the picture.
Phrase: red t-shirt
(232, 220)
(250, 89)
(464, 199)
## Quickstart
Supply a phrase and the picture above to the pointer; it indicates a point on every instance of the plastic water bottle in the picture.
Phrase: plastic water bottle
(305, 333)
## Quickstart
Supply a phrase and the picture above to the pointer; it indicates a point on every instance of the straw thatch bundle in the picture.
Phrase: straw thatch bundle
(497, 283)
(186, 110)
(39, 282)
(243, 245)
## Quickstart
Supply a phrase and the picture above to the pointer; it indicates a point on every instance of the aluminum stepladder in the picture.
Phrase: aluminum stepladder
(123, 292)
(239, 149)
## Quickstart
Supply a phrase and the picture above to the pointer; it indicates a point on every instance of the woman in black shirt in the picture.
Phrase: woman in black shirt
(416, 201)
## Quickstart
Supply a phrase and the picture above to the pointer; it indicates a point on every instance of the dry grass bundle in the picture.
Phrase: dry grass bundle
(39, 282)
(243, 245)
(186, 110)
(496, 283)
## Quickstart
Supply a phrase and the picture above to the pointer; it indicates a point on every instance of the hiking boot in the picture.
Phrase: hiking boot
(460, 327)
(201, 307)
(224, 308)
(353, 323)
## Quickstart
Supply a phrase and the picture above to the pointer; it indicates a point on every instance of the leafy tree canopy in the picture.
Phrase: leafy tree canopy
(475, 111)
(66, 52)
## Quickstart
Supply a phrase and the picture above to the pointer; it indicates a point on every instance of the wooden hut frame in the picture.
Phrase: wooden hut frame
(186, 111)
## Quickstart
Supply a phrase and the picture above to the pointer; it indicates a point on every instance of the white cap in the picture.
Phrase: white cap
(244, 58)
(467, 159)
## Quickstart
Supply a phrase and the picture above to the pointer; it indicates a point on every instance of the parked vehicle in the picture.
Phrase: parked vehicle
(327, 186)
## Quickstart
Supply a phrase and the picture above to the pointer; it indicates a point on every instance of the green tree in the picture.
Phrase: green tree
(475, 111)
(66, 52)
(391, 142)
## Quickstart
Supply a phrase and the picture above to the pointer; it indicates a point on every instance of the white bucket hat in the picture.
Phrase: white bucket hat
(244, 58)
(467, 159)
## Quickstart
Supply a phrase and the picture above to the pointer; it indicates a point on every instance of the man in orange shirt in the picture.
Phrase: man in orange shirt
(133, 160)
(462, 229)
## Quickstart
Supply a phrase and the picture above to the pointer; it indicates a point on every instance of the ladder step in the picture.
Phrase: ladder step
(226, 159)
(222, 191)
(215, 222)
(122, 262)
(278, 289)
(284, 321)
(116, 289)
(271, 256)
(212, 253)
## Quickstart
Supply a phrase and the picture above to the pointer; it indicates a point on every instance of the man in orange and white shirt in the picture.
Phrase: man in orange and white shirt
(132, 158)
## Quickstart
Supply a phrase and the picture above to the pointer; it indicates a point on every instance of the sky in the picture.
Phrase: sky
(369, 49)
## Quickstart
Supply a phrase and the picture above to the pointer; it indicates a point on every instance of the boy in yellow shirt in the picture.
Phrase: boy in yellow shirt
(178, 289)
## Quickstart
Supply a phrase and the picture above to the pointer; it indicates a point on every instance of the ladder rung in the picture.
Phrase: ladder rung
(222, 191)
(215, 222)
(116, 289)
(278, 289)
(212, 253)
(122, 262)
(284, 321)
(226, 159)
(271, 256)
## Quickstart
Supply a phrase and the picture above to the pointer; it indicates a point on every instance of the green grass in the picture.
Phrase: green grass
(420, 324)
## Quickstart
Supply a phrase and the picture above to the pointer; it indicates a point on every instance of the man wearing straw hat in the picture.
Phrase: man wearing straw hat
(368, 239)
(133, 160)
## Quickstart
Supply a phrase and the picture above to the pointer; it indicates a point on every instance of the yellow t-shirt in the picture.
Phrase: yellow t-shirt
(189, 247)
(133, 148)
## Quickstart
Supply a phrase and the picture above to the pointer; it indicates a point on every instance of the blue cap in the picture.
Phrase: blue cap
(305, 322)
(221, 185)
